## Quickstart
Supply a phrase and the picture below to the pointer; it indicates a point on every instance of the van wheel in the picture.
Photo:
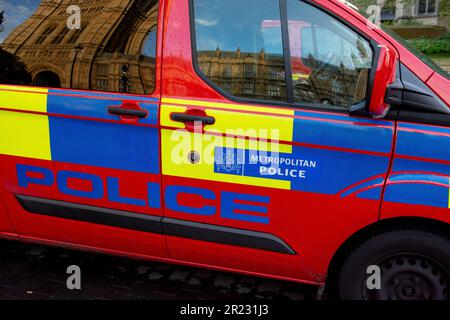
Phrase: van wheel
(413, 265)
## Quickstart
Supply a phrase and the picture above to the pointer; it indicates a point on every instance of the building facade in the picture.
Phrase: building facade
(248, 75)
(421, 11)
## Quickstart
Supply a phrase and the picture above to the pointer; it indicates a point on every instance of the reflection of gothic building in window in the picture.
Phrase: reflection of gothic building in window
(106, 54)
(262, 76)
(246, 75)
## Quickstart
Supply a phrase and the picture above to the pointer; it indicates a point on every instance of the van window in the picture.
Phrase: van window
(236, 50)
(100, 55)
(332, 63)
(240, 49)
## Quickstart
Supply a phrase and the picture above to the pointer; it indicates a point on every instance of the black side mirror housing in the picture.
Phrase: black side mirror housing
(409, 93)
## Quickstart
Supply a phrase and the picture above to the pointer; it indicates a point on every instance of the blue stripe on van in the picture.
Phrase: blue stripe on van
(98, 143)
(345, 135)
(330, 174)
(431, 144)
(97, 108)
(417, 194)
(412, 180)
(102, 144)
(92, 94)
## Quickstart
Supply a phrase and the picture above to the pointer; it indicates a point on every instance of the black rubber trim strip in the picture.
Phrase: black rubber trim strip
(286, 51)
(155, 224)
(119, 111)
(183, 117)
(225, 235)
(104, 216)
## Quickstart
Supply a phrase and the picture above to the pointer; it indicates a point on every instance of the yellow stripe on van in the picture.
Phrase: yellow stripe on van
(252, 125)
(242, 124)
(177, 144)
(234, 123)
(24, 134)
(166, 110)
(23, 98)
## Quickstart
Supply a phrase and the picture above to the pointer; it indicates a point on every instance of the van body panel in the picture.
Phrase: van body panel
(67, 147)
(135, 175)
(439, 85)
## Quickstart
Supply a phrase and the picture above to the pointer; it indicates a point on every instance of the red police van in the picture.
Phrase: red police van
(289, 139)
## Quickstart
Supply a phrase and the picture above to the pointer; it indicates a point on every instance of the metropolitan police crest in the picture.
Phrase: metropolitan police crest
(229, 161)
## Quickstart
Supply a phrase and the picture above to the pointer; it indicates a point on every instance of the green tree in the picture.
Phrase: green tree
(12, 70)
(444, 8)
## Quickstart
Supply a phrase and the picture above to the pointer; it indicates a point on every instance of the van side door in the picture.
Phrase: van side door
(79, 148)
(265, 169)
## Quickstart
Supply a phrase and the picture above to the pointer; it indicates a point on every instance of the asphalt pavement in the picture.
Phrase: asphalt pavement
(34, 272)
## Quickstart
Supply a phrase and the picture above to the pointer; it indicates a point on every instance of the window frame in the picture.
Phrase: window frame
(427, 5)
(359, 107)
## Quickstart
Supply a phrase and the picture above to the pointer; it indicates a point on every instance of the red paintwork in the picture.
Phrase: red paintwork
(384, 76)
(314, 236)
(132, 184)
(324, 223)
(5, 222)
(317, 236)
(440, 86)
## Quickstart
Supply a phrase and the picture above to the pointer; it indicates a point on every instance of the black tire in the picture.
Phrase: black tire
(414, 265)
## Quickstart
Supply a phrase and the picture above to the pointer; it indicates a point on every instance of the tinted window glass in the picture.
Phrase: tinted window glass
(425, 35)
(330, 62)
(239, 47)
(113, 49)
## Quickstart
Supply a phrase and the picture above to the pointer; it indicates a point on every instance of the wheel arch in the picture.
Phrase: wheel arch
(398, 223)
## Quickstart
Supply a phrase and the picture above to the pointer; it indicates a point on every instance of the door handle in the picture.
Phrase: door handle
(119, 111)
(183, 117)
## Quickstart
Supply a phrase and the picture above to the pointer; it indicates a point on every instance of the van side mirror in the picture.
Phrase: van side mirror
(384, 77)
(381, 78)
